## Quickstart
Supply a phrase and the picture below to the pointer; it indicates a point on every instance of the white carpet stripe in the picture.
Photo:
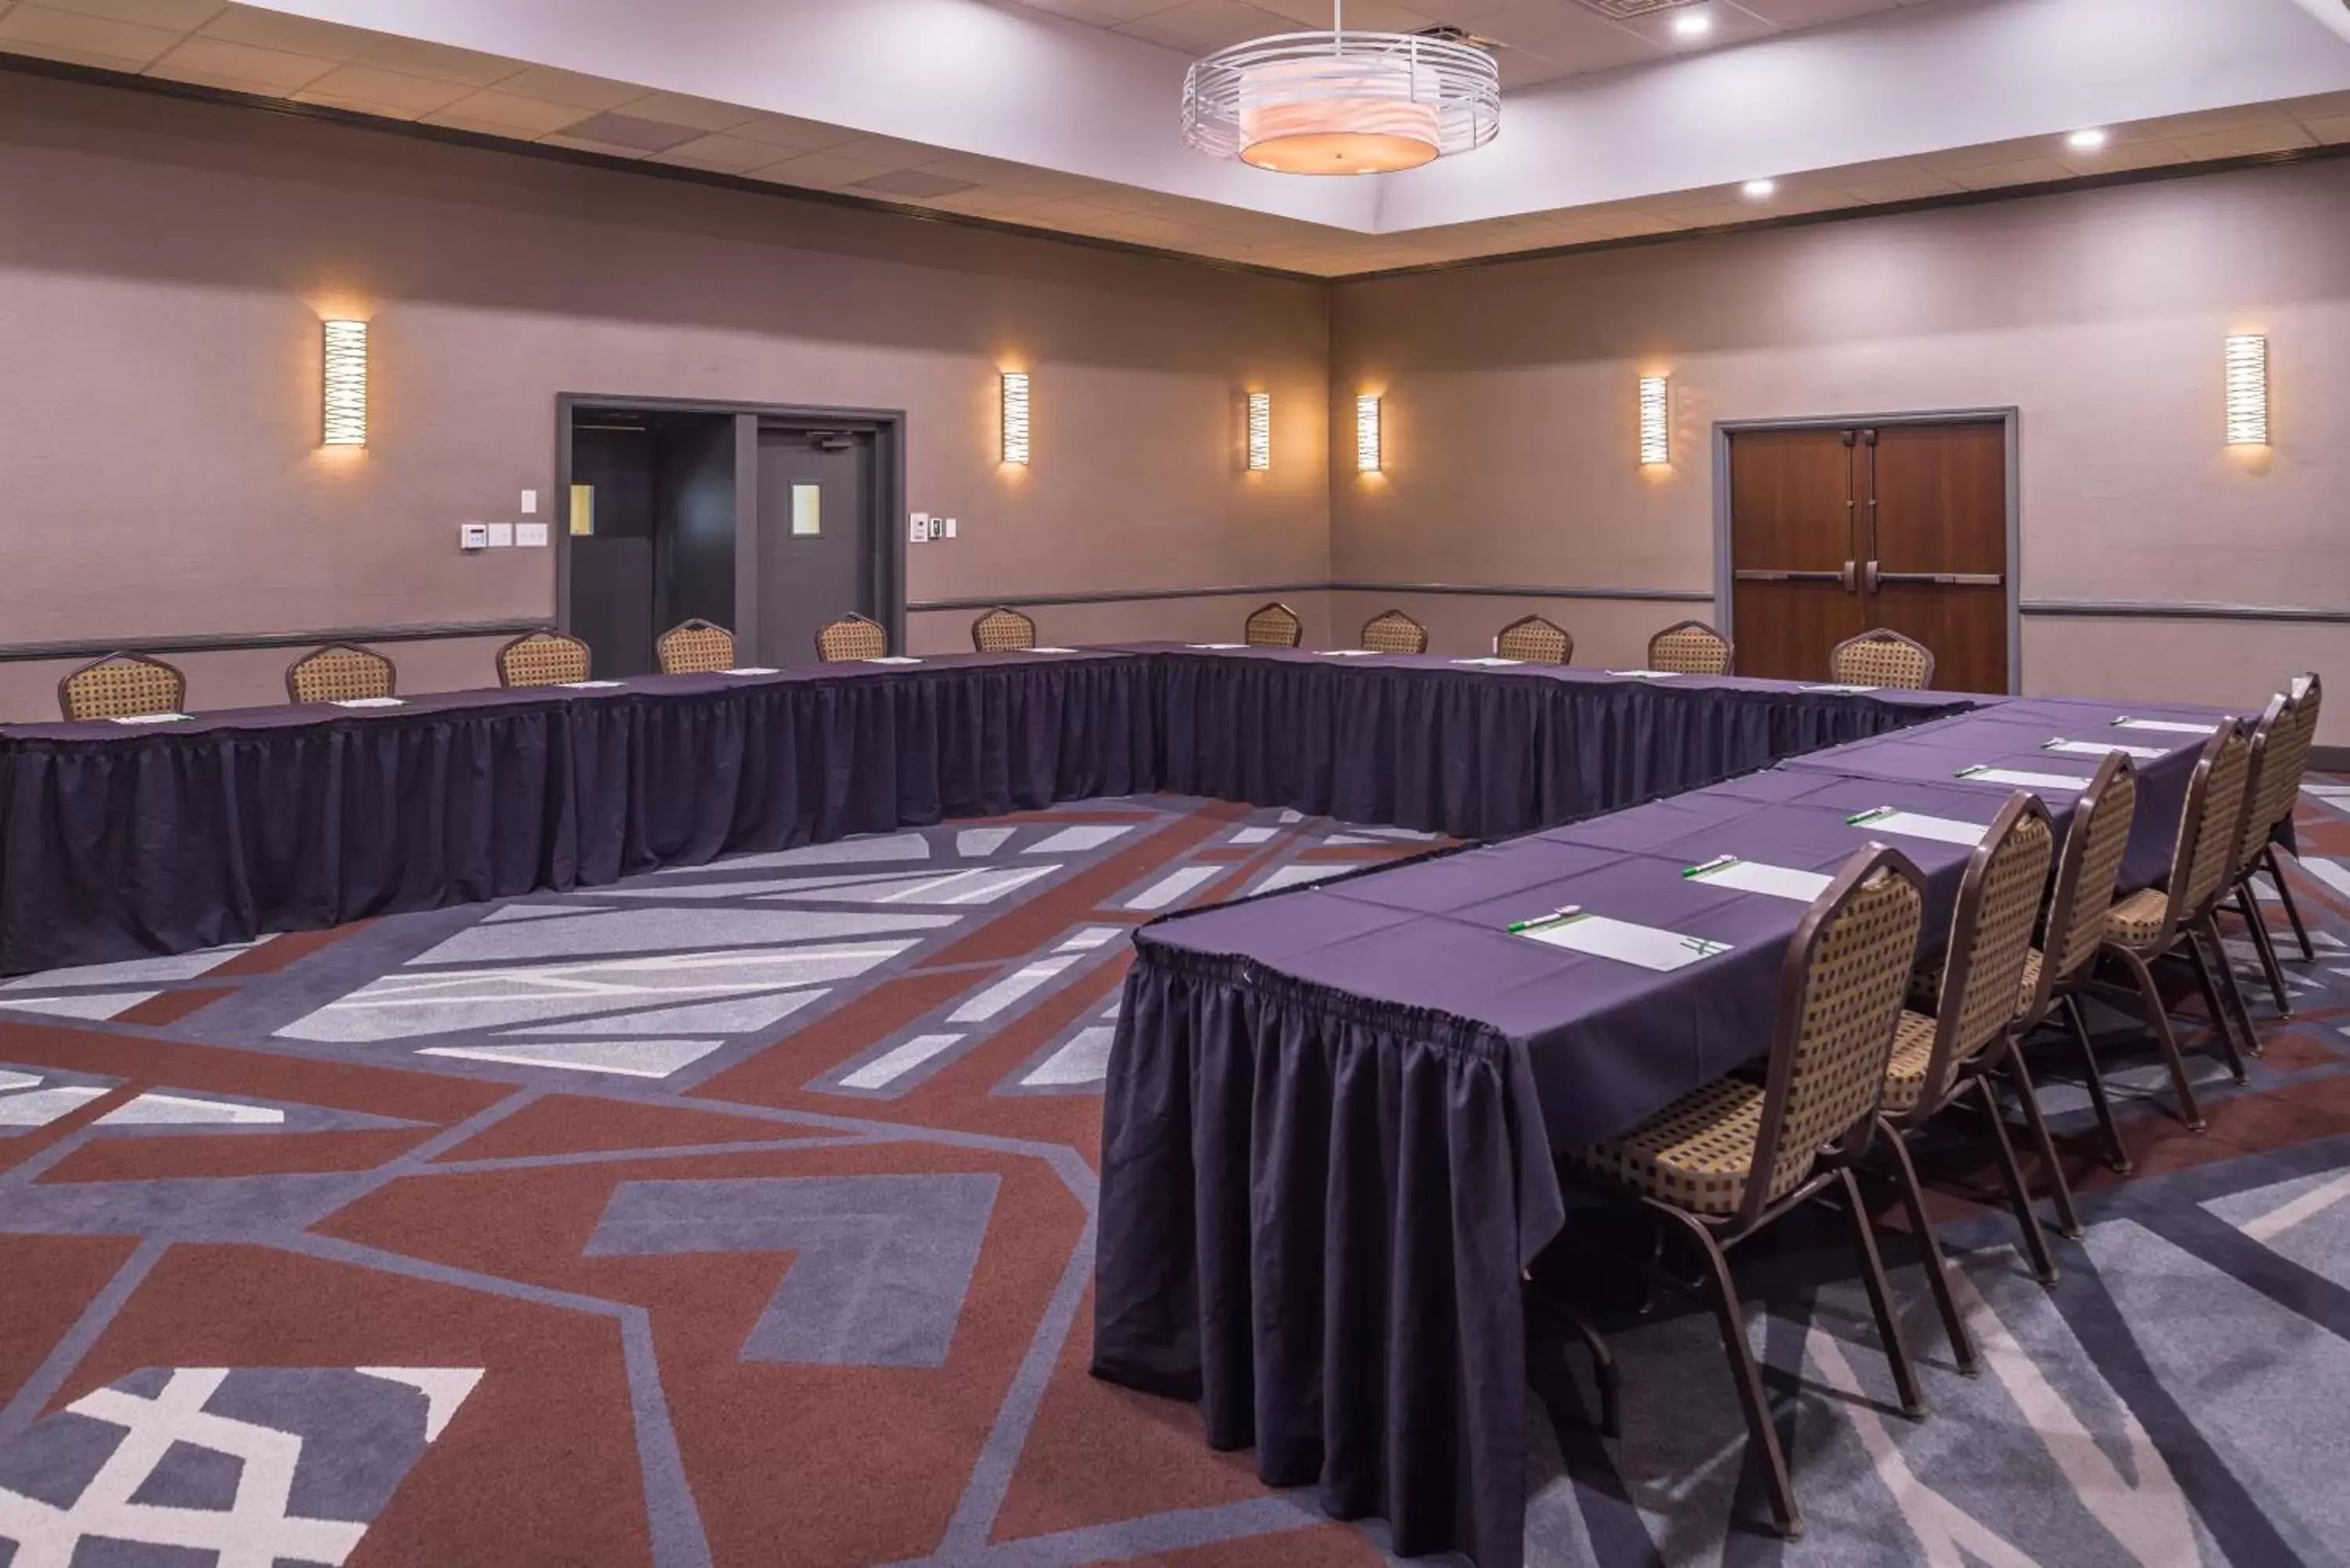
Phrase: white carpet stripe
(891, 1065)
(2308, 1206)
(1173, 885)
(1009, 989)
(2333, 873)
(1084, 1059)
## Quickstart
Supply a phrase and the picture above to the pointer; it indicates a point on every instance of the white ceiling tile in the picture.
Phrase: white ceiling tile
(1915, 185)
(589, 144)
(292, 35)
(2022, 172)
(415, 58)
(821, 170)
(790, 134)
(83, 39)
(694, 113)
(373, 91)
(1731, 25)
(1101, 13)
(2333, 132)
(887, 155)
(592, 93)
(2116, 156)
(1794, 14)
(1199, 25)
(726, 154)
(179, 15)
(2243, 142)
(242, 66)
(502, 110)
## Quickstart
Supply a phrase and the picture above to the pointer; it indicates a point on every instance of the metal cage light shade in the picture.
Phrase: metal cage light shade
(1342, 102)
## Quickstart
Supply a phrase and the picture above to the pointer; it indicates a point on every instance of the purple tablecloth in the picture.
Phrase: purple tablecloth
(118, 841)
(1331, 1111)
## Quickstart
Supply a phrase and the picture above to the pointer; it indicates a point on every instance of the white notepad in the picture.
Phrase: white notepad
(1215, 647)
(2020, 779)
(2099, 748)
(591, 685)
(1753, 877)
(1051, 650)
(893, 659)
(1843, 690)
(1489, 662)
(750, 670)
(2172, 726)
(369, 702)
(151, 718)
(1348, 652)
(1917, 824)
(1647, 946)
(1646, 674)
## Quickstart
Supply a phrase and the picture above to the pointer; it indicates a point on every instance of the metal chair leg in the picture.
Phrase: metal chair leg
(1761, 1435)
(2233, 988)
(1881, 1299)
(2291, 909)
(1938, 1277)
(2068, 1219)
(2262, 944)
(2043, 1267)
(2159, 1019)
(2223, 1022)
(2120, 1159)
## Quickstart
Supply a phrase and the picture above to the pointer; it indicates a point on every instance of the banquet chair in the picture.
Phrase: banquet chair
(1724, 1162)
(2175, 917)
(339, 672)
(1957, 1030)
(543, 658)
(694, 647)
(1392, 631)
(1002, 631)
(2274, 787)
(122, 686)
(1273, 625)
(1535, 640)
(851, 636)
(1690, 647)
(1882, 657)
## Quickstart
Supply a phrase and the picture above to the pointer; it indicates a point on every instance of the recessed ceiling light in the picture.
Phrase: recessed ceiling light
(1756, 190)
(2085, 141)
(1692, 25)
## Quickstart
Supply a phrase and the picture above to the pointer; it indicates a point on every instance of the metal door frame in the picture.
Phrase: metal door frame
(2010, 421)
(885, 506)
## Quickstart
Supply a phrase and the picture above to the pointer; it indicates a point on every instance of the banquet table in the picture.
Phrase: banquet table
(1331, 1112)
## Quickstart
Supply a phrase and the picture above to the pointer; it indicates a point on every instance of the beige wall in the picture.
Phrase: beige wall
(164, 266)
(1510, 419)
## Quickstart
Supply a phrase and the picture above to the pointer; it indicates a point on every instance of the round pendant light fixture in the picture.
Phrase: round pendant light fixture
(1341, 102)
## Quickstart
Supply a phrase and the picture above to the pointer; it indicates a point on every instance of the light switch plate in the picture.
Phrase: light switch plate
(472, 535)
(938, 527)
(529, 502)
(531, 535)
(501, 535)
(950, 527)
(921, 530)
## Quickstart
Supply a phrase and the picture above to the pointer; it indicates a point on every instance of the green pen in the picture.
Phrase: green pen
(1719, 863)
(1873, 814)
(1703, 948)
(1558, 916)
(1970, 773)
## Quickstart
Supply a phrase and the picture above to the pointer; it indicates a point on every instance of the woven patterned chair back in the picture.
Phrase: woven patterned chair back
(1690, 647)
(1392, 631)
(122, 686)
(1882, 657)
(852, 637)
(1273, 625)
(1003, 631)
(339, 673)
(695, 647)
(543, 658)
(1535, 640)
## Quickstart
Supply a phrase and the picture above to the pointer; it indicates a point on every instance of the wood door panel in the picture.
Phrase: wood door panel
(1785, 630)
(1940, 498)
(1965, 627)
(1790, 500)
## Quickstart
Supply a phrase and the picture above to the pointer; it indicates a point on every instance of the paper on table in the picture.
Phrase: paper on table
(1489, 662)
(750, 670)
(1752, 877)
(2173, 725)
(1917, 824)
(2023, 780)
(1646, 946)
(2099, 748)
(369, 702)
(1646, 674)
(1838, 686)
(1347, 652)
(590, 685)
(893, 659)
(1042, 649)
(1215, 647)
(149, 718)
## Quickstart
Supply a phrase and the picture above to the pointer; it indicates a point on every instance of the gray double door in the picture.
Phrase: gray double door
(768, 526)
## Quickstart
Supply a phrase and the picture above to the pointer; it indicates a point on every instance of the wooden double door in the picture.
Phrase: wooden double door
(1838, 529)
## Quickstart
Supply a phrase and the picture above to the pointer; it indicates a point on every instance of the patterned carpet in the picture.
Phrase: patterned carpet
(742, 1215)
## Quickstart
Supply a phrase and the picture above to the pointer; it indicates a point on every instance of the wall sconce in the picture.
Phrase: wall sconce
(2248, 391)
(1655, 424)
(1016, 416)
(345, 422)
(1367, 434)
(1260, 431)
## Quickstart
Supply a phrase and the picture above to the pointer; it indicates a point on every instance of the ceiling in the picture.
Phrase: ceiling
(1059, 114)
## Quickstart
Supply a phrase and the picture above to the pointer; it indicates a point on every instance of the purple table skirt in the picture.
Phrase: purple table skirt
(120, 841)
(1331, 1111)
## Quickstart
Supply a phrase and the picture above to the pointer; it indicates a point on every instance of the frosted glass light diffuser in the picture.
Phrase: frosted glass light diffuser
(1260, 431)
(1367, 434)
(1655, 424)
(2248, 391)
(1016, 416)
(345, 422)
